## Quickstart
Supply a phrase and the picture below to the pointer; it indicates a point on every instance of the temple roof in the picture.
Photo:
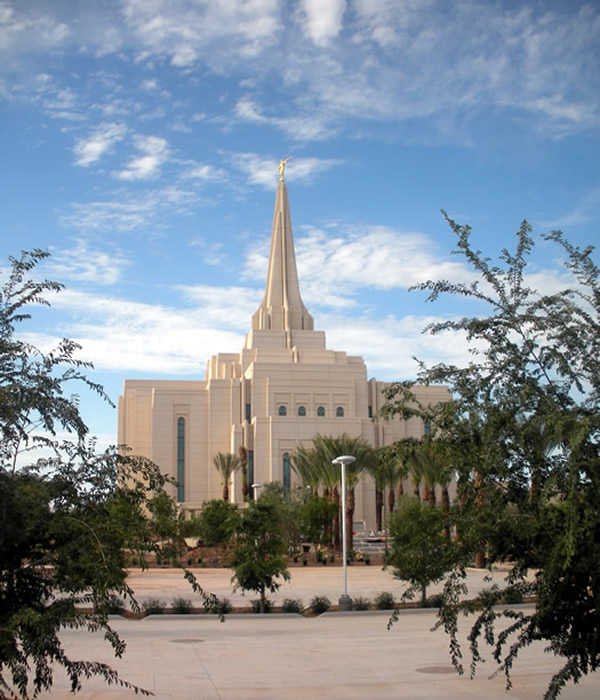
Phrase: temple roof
(282, 307)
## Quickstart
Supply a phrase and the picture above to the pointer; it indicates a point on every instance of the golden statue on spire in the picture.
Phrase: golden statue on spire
(282, 167)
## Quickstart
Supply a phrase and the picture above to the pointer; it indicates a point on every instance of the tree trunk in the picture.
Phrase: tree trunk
(335, 498)
(391, 500)
(400, 489)
(379, 508)
(225, 492)
(262, 600)
(431, 496)
(446, 510)
(423, 596)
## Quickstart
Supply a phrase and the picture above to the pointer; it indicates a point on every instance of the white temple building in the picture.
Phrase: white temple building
(280, 390)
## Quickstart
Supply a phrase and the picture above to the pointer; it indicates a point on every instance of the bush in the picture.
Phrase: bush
(360, 603)
(181, 606)
(256, 605)
(434, 601)
(116, 605)
(320, 604)
(291, 605)
(153, 606)
(220, 606)
(512, 595)
(384, 601)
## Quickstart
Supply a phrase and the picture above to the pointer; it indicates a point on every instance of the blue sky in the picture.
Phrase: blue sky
(140, 141)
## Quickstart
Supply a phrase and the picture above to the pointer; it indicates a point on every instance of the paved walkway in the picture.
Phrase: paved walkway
(305, 583)
(336, 655)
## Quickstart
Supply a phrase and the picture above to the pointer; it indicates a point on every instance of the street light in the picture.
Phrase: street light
(255, 488)
(345, 602)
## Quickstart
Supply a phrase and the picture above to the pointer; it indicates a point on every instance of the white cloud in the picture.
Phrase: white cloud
(312, 126)
(155, 152)
(262, 170)
(206, 172)
(126, 336)
(19, 28)
(586, 210)
(214, 32)
(90, 150)
(322, 21)
(82, 262)
(126, 213)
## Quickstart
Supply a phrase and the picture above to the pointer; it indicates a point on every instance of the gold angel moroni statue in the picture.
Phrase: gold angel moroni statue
(282, 167)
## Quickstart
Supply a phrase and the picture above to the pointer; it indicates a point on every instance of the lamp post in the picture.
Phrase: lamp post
(255, 488)
(345, 602)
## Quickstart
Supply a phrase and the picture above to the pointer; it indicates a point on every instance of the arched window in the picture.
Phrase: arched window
(339, 411)
(282, 411)
(321, 411)
(302, 411)
(180, 460)
(287, 475)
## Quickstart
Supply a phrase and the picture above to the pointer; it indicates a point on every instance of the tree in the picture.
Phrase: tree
(525, 430)
(259, 555)
(419, 551)
(226, 465)
(66, 513)
(218, 522)
(315, 519)
(327, 448)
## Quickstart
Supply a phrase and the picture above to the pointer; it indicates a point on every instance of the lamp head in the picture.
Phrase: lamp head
(344, 459)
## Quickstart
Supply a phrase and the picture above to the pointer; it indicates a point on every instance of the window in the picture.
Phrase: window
(321, 411)
(427, 427)
(370, 411)
(302, 411)
(248, 413)
(287, 475)
(180, 460)
(282, 411)
(339, 411)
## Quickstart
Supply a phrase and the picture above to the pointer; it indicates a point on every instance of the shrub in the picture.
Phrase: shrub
(291, 605)
(256, 605)
(384, 601)
(220, 606)
(512, 595)
(320, 604)
(181, 606)
(116, 605)
(360, 603)
(153, 606)
(434, 601)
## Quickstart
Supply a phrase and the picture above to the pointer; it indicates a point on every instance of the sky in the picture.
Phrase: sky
(140, 140)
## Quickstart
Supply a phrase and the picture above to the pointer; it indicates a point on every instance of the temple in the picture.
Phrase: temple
(280, 390)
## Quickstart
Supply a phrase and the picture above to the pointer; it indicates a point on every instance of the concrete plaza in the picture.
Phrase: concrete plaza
(335, 655)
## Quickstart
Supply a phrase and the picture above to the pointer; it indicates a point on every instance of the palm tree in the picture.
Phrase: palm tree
(331, 447)
(243, 457)
(306, 466)
(433, 456)
(226, 465)
(379, 477)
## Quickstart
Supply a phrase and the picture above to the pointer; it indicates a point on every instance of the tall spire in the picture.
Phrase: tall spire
(282, 307)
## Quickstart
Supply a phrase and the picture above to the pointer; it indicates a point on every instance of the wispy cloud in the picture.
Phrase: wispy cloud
(155, 151)
(586, 210)
(335, 61)
(261, 170)
(127, 212)
(322, 21)
(89, 150)
(88, 264)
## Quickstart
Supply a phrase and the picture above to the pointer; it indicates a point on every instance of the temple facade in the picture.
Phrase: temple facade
(280, 390)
